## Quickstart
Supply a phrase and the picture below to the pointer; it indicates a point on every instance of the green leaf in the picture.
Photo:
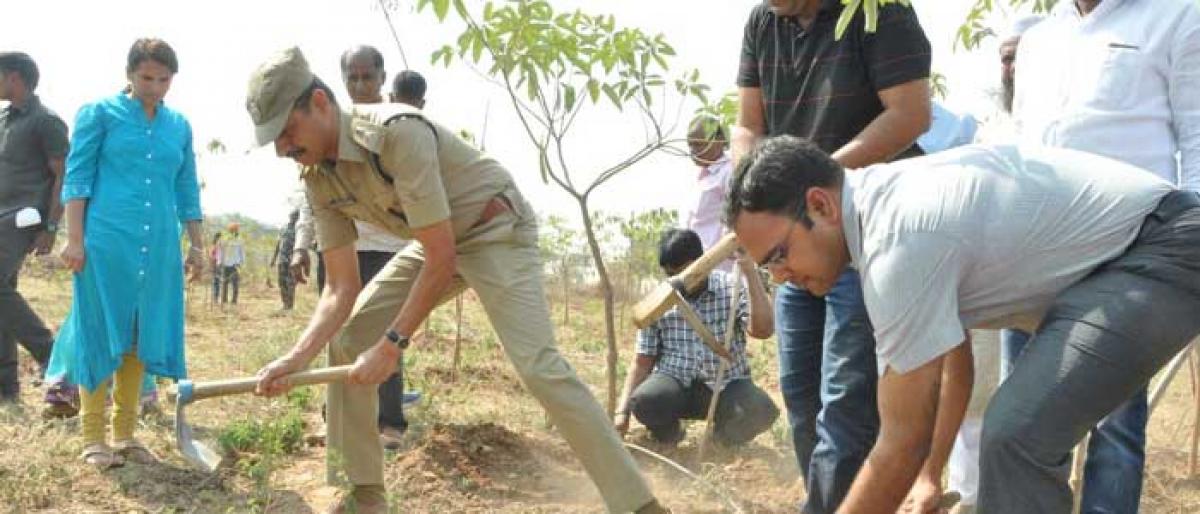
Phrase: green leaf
(445, 53)
(662, 63)
(531, 88)
(593, 89)
(460, 9)
(440, 8)
(871, 13)
(612, 95)
(568, 97)
(848, 13)
(476, 48)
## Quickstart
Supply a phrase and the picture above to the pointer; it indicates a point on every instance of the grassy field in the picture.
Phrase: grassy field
(478, 442)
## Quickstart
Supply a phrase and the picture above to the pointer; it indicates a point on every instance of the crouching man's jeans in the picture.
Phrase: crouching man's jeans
(828, 374)
(1098, 346)
(743, 409)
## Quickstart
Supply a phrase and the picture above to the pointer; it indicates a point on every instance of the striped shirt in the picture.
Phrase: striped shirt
(823, 89)
(681, 354)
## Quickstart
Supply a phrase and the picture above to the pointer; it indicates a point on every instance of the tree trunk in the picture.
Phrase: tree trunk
(625, 293)
(566, 280)
(606, 290)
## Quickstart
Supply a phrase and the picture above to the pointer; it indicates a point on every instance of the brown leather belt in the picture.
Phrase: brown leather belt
(498, 205)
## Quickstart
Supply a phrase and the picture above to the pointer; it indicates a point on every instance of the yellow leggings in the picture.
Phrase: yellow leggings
(128, 380)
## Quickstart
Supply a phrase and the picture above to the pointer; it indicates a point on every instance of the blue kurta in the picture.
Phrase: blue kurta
(139, 177)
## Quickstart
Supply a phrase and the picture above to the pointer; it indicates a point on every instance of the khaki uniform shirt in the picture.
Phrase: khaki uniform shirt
(433, 178)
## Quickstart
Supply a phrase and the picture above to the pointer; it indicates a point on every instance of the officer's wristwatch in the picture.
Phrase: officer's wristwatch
(400, 341)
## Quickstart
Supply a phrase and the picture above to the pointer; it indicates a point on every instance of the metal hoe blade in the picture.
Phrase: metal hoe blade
(193, 450)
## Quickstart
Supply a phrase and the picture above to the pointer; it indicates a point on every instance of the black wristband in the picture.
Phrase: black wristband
(400, 341)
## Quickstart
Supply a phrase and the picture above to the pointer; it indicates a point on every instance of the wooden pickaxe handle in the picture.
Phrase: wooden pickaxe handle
(202, 390)
(660, 300)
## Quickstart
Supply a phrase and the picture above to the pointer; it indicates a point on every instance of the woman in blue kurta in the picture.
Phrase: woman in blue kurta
(130, 183)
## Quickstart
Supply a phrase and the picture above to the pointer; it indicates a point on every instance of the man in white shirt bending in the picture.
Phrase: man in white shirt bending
(1103, 259)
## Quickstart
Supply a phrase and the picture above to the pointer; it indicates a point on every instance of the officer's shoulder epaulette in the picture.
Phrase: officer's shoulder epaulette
(367, 130)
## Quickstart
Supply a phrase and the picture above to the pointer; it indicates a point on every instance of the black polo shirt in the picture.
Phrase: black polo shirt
(30, 136)
(826, 90)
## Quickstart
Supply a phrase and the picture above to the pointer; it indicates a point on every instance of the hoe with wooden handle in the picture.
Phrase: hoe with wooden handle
(187, 392)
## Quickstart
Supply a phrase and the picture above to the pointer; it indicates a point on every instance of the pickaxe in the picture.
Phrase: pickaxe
(187, 392)
(669, 294)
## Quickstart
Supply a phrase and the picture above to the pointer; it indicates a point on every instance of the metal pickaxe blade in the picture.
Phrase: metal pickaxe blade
(187, 392)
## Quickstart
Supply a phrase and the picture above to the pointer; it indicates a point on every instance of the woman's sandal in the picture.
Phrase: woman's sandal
(134, 451)
(101, 457)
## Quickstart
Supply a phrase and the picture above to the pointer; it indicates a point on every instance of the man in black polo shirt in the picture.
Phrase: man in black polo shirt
(863, 99)
(33, 145)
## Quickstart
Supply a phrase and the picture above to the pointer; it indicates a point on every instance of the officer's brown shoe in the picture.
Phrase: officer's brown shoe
(362, 500)
(653, 508)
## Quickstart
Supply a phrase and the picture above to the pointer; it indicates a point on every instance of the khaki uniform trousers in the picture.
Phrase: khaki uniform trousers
(500, 261)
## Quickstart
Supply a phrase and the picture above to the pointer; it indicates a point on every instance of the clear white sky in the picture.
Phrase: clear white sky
(80, 47)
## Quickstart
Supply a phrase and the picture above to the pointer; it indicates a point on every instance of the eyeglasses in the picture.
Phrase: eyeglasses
(779, 253)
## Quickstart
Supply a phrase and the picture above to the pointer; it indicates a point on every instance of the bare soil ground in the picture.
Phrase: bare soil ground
(478, 442)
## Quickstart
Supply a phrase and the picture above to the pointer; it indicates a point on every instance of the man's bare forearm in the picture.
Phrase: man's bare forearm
(908, 414)
(742, 141)
(762, 316)
(332, 310)
(195, 232)
(56, 208)
(636, 376)
(884, 479)
(430, 286)
(889, 134)
(958, 372)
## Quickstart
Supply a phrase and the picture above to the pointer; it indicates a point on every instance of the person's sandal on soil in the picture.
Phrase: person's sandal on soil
(391, 437)
(134, 451)
(101, 456)
(653, 508)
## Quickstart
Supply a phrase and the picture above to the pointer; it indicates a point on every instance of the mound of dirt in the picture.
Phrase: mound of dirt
(475, 458)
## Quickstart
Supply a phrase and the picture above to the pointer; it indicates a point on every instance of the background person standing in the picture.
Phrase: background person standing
(130, 184)
(1121, 79)
(864, 99)
(231, 257)
(33, 146)
(281, 259)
